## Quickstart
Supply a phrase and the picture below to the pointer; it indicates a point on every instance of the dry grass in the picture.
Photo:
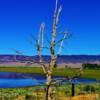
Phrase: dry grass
(79, 97)
(83, 97)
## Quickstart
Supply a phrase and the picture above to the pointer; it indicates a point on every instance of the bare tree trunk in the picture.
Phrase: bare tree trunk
(48, 88)
(53, 56)
(49, 69)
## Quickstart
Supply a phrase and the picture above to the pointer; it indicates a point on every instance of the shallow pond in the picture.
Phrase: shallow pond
(15, 80)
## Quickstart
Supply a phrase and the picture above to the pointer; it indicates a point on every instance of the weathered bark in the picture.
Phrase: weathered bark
(53, 56)
(49, 69)
(48, 88)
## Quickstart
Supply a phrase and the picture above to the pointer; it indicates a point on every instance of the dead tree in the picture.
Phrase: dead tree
(48, 69)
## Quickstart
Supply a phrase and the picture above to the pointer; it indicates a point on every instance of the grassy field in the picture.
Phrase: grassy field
(88, 73)
(62, 92)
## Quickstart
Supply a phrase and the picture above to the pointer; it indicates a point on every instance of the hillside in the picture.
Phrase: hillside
(61, 59)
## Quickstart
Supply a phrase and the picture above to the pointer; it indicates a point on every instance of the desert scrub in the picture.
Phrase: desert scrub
(38, 92)
(10, 94)
(29, 93)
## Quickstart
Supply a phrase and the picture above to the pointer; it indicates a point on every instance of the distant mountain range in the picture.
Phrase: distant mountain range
(61, 59)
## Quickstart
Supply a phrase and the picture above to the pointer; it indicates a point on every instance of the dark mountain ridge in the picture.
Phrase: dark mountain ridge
(61, 59)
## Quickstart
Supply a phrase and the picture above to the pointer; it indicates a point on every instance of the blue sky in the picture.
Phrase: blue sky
(21, 18)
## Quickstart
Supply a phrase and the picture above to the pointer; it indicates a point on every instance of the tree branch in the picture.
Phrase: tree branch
(39, 48)
(59, 51)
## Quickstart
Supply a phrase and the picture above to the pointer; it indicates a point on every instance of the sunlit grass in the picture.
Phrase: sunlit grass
(88, 73)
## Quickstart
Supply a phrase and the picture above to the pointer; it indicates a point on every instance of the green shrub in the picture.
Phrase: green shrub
(89, 88)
